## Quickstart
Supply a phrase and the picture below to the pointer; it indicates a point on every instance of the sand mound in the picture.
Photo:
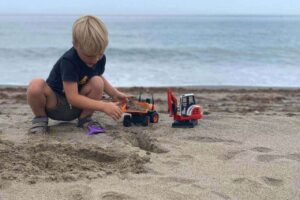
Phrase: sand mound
(63, 162)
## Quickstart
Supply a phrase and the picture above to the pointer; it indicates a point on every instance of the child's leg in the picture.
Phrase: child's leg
(94, 90)
(40, 96)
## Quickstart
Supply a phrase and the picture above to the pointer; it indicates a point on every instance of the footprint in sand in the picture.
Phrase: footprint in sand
(272, 181)
(221, 195)
(211, 140)
(177, 180)
(248, 182)
(230, 155)
(261, 149)
(269, 158)
(78, 192)
(172, 163)
(115, 196)
(294, 156)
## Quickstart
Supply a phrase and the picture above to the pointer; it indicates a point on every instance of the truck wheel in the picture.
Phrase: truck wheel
(146, 121)
(154, 117)
(127, 121)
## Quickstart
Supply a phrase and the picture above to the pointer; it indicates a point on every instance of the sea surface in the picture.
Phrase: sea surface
(162, 50)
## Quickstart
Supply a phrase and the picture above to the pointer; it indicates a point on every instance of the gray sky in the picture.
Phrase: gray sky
(152, 7)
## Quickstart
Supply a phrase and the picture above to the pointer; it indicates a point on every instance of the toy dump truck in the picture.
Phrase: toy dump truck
(140, 112)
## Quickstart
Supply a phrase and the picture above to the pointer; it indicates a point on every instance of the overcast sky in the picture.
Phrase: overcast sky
(152, 7)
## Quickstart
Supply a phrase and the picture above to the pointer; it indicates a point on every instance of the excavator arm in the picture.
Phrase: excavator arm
(172, 103)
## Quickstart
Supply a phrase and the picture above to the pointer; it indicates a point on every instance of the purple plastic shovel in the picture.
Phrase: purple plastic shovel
(93, 130)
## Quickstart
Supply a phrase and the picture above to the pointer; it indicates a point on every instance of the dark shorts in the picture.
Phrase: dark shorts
(63, 110)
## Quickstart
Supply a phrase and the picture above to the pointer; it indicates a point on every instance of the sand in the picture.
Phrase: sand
(246, 147)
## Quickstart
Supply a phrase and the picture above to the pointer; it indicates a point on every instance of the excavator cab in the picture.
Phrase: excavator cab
(186, 101)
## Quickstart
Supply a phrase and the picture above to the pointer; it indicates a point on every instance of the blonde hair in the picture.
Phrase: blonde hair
(90, 35)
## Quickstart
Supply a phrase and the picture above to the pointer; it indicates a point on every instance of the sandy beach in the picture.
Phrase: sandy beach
(245, 147)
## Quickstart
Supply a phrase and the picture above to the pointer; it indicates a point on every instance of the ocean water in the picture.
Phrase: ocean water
(163, 50)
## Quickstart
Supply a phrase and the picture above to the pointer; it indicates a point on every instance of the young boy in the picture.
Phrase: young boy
(75, 84)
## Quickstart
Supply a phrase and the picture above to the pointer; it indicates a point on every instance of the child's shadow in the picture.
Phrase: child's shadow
(64, 127)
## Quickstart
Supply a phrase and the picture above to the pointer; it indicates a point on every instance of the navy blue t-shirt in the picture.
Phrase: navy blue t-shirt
(71, 68)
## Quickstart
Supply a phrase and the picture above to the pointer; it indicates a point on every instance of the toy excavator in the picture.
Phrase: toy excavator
(139, 112)
(190, 113)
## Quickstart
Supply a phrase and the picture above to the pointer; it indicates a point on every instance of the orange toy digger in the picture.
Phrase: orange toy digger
(190, 113)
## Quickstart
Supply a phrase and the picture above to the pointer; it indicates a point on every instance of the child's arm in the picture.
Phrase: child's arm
(113, 92)
(80, 101)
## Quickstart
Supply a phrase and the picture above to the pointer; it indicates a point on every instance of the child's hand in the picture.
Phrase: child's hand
(113, 110)
(122, 97)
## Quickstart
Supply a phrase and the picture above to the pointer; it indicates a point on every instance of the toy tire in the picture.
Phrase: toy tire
(127, 121)
(146, 121)
(193, 123)
(154, 117)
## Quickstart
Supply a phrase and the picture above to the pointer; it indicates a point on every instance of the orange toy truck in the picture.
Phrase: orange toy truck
(139, 112)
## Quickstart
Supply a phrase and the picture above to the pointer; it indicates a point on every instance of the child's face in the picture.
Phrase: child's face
(90, 61)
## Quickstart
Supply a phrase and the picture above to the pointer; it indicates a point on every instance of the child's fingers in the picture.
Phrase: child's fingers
(131, 97)
(116, 117)
(118, 114)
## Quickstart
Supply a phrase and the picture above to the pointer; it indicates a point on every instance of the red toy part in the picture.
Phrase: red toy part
(190, 113)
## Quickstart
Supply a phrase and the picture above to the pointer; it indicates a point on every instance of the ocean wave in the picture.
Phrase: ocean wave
(122, 53)
(209, 54)
(166, 53)
(31, 52)
(206, 54)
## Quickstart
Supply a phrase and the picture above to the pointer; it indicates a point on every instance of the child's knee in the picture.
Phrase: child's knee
(36, 87)
(97, 83)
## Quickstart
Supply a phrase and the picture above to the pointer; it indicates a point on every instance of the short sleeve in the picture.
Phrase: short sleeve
(102, 63)
(68, 71)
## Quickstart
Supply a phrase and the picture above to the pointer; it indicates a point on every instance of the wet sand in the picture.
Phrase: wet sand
(245, 147)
